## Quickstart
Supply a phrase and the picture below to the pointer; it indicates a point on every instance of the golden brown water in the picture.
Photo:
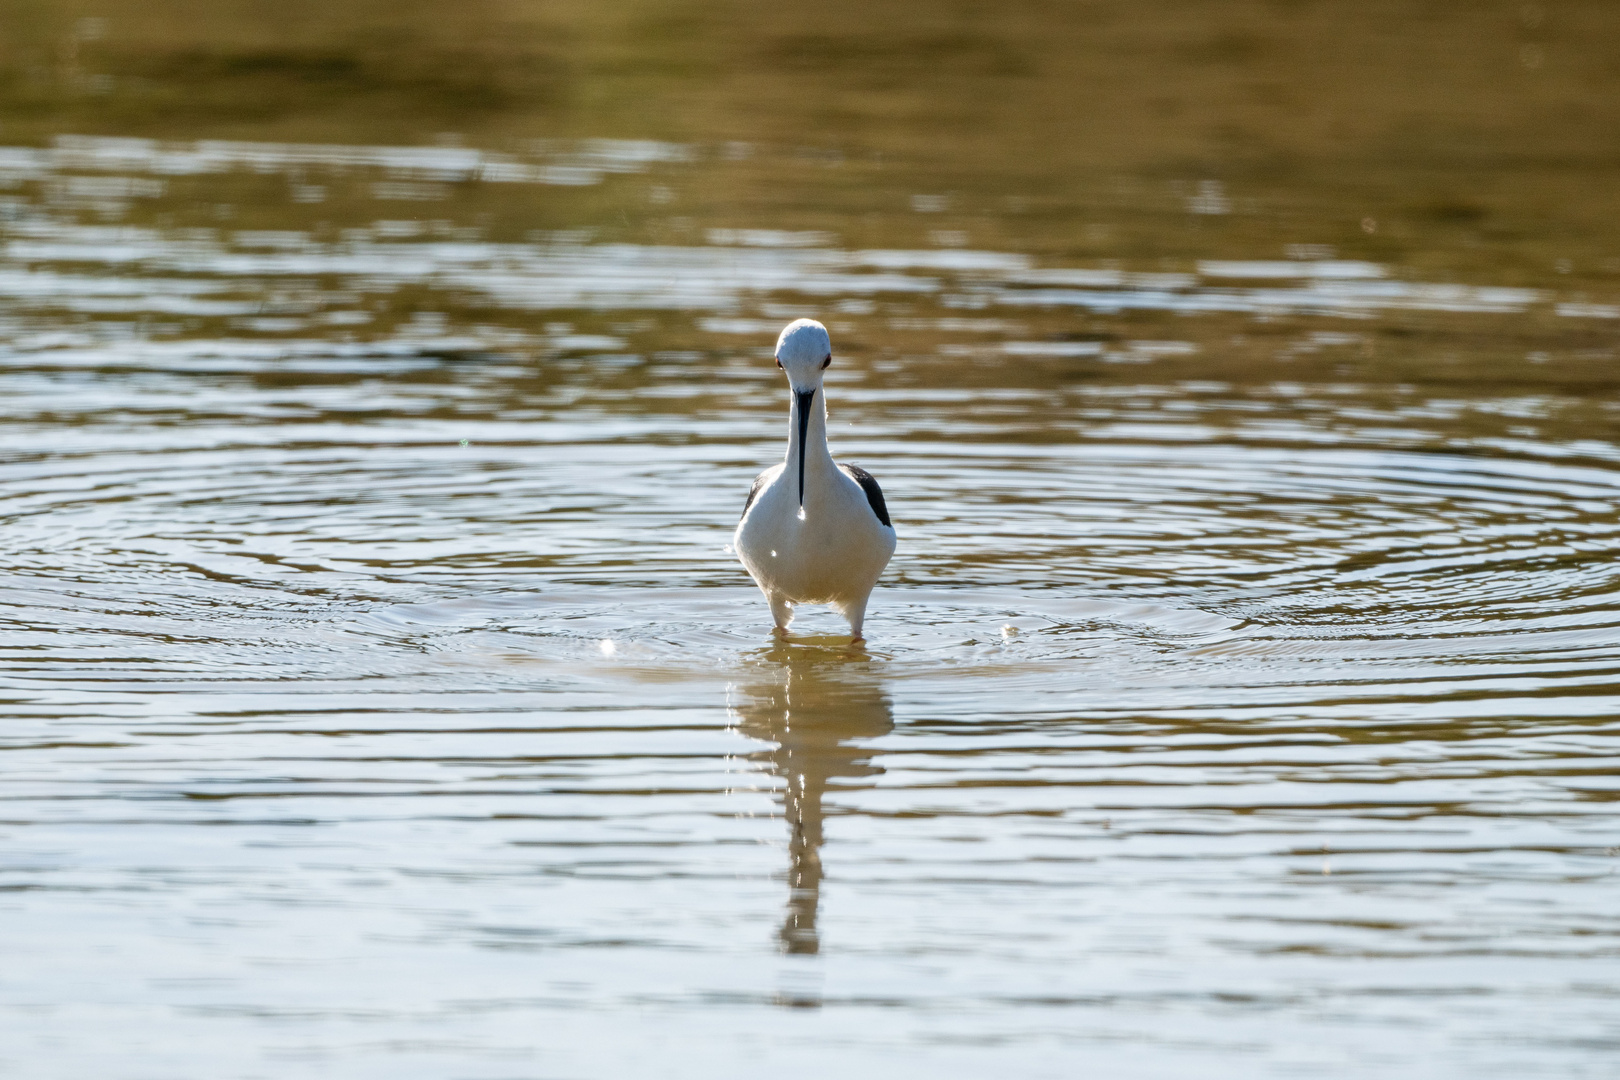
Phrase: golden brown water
(380, 395)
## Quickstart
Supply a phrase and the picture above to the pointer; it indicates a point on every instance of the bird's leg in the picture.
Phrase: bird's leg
(781, 611)
(856, 614)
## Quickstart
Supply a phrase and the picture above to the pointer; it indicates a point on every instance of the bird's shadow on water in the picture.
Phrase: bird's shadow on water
(819, 701)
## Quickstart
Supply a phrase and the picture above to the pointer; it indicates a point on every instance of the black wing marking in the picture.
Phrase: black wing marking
(753, 492)
(874, 494)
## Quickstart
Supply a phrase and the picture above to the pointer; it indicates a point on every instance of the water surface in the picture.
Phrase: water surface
(382, 698)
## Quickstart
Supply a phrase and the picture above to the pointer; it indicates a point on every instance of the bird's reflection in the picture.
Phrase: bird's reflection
(819, 707)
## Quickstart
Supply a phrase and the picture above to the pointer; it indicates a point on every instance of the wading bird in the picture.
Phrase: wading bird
(813, 531)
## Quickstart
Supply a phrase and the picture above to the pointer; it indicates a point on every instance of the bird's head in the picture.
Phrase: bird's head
(803, 351)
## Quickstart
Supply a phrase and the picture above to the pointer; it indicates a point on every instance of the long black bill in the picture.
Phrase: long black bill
(803, 398)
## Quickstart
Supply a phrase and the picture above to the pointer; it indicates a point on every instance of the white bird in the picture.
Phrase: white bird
(813, 531)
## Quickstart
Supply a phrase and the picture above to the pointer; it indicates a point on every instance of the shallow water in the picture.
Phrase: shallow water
(382, 697)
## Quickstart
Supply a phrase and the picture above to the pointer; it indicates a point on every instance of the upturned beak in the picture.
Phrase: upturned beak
(802, 400)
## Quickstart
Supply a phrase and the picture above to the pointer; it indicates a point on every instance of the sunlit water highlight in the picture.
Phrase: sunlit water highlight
(390, 705)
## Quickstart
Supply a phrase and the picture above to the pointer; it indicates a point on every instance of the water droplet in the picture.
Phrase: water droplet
(607, 646)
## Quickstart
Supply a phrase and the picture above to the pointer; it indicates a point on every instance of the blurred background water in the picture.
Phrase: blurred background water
(382, 383)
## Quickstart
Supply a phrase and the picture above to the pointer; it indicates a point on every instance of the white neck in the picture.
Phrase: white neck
(815, 436)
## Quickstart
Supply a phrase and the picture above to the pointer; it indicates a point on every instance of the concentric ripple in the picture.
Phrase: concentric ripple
(395, 713)
(382, 697)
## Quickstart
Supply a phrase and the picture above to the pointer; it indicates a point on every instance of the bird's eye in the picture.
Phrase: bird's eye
(825, 363)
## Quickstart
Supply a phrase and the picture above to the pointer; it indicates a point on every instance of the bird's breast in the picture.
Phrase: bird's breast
(835, 548)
